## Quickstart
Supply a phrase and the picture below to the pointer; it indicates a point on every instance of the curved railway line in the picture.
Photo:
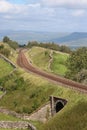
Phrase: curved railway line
(23, 62)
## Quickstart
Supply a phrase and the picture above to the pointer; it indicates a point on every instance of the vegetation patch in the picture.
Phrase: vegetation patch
(40, 57)
(25, 96)
(1, 92)
(77, 65)
(5, 68)
(4, 117)
(58, 65)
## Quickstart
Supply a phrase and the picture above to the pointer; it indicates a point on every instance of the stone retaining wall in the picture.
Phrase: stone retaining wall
(16, 125)
(9, 124)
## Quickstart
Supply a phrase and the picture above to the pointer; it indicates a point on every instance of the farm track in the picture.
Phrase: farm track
(23, 62)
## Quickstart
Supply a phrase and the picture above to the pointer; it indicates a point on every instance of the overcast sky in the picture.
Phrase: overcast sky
(44, 15)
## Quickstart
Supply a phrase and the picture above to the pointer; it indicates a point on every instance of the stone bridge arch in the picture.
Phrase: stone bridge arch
(56, 104)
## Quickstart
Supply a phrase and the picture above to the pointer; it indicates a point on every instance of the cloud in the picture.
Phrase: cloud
(66, 3)
(7, 7)
(78, 12)
(26, 12)
(51, 15)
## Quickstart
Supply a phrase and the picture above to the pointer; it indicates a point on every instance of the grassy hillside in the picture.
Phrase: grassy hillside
(40, 57)
(73, 115)
(58, 65)
(26, 95)
(5, 68)
(26, 92)
(13, 53)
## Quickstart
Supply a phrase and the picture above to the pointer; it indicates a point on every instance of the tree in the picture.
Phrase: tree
(6, 39)
(82, 76)
(64, 48)
(76, 62)
(12, 44)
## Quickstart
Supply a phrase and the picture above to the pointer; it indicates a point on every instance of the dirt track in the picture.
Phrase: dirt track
(23, 62)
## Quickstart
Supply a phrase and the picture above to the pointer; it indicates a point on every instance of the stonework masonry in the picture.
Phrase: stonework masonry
(16, 125)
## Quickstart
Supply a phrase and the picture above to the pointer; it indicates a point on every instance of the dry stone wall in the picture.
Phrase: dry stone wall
(16, 125)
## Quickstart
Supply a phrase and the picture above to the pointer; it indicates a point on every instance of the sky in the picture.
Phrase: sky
(44, 15)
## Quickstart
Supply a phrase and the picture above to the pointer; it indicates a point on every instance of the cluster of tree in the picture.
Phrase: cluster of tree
(77, 65)
(52, 46)
(4, 51)
(12, 44)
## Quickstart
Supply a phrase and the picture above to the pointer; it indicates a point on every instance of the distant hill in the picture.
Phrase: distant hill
(72, 37)
(73, 40)
(24, 36)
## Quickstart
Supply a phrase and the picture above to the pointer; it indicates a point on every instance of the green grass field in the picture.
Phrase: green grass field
(40, 57)
(5, 68)
(58, 65)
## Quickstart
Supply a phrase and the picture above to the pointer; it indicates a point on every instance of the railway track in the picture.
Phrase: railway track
(24, 63)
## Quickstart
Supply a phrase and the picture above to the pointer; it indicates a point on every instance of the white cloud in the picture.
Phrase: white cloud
(66, 3)
(78, 12)
(7, 7)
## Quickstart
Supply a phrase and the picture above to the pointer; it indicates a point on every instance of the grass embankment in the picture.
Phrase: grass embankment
(73, 116)
(40, 57)
(5, 68)
(37, 91)
(58, 65)
(13, 53)
(26, 95)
